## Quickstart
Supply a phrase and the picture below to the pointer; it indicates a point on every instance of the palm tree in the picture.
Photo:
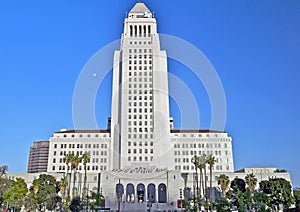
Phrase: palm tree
(224, 181)
(195, 161)
(63, 184)
(85, 159)
(202, 169)
(3, 170)
(251, 181)
(74, 164)
(211, 162)
(68, 158)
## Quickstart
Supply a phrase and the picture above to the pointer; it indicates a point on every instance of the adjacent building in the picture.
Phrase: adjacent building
(38, 157)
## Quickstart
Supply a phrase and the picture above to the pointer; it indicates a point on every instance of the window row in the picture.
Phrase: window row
(140, 129)
(146, 79)
(80, 146)
(138, 91)
(64, 153)
(135, 103)
(140, 42)
(144, 116)
(140, 67)
(139, 136)
(142, 93)
(96, 160)
(140, 62)
(140, 110)
(140, 73)
(139, 51)
(199, 145)
(140, 143)
(140, 85)
(93, 168)
(199, 135)
(141, 98)
(140, 56)
(85, 135)
(135, 151)
(146, 158)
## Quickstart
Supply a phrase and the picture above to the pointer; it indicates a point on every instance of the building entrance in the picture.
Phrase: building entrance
(141, 192)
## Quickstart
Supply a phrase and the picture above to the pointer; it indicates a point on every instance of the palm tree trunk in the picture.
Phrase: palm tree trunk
(205, 184)
(69, 183)
(64, 194)
(197, 186)
(200, 181)
(210, 183)
(84, 182)
(74, 182)
(199, 194)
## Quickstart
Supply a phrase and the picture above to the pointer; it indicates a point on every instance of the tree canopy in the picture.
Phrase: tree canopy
(16, 193)
(279, 190)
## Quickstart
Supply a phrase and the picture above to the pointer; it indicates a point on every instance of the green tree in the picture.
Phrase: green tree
(251, 181)
(44, 187)
(62, 185)
(238, 184)
(223, 181)
(97, 201)
(75, 205)
(222, 205)
(53, 201)
(239, 196)
(5, 185)
(261, 202)
(14, 196)
(3, 170)
(211, 162)
(279, 190)
(30, 201)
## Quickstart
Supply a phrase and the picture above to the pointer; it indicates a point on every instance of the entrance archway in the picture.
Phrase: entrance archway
(130, 192)
(151, 193)
(162, 193)
(140, 191)
(119, 191)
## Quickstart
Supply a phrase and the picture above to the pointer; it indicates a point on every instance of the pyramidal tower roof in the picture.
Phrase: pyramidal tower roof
(140, 11)
(139, 8)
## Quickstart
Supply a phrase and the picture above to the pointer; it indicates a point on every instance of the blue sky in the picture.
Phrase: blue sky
(253, 45)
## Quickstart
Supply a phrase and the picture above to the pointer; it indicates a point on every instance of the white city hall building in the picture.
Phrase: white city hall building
(140, 158)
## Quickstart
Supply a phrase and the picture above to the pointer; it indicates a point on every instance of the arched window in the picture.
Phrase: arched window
(130, 31)
(140, 191)
(145, 31)
(130, 192)
(140, 31)
(151, 193)
(149, 30)
(119, 191)
(135, 30)
(162, 193)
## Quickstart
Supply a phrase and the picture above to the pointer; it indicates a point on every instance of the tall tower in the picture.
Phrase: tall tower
(140, 126)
